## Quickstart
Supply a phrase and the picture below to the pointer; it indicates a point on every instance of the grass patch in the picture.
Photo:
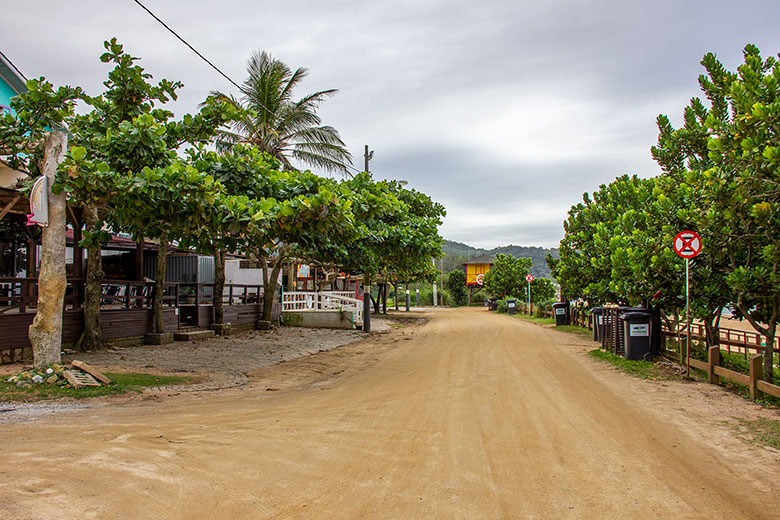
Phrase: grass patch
(571, 329)
(643, 369)
(534, 319)
(120, 384)
(763, 432)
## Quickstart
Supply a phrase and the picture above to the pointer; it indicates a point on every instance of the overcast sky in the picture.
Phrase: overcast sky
(504, 111)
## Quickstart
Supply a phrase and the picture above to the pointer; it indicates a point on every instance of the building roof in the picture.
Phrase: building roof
(484, 259)
(11, 75)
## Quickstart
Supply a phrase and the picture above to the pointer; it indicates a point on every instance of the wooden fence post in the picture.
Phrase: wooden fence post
(756, 369)
(713, 360)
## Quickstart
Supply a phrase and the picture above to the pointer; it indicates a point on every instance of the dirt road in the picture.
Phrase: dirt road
(471, 415)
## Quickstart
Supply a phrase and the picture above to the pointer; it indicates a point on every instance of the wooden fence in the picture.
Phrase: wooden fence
(126, 309)
(735, 341)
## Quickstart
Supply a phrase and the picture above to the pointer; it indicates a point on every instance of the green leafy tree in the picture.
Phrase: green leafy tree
(506, 276)
(126, 144)
(456, 286)
(272, 213)
(34, 143)
(542, 291)
(742, 136)
(281, 126)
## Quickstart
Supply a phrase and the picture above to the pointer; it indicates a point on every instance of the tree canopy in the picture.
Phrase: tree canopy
(720, 179)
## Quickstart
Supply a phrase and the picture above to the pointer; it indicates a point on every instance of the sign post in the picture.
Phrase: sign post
(687, 244)
(529, 278)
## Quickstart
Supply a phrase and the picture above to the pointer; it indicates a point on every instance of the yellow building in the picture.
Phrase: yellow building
(476, 269)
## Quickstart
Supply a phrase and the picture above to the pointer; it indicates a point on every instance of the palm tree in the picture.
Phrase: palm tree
(278, 125)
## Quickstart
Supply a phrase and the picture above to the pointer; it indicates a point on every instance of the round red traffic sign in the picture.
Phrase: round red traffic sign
(687, 244)
(529, 278)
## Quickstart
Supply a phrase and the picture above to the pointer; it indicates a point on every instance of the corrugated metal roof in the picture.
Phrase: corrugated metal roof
(484, 259)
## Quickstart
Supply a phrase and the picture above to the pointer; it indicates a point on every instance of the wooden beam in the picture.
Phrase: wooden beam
(9, 206)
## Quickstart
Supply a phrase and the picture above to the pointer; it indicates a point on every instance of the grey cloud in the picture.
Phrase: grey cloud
(510, 108)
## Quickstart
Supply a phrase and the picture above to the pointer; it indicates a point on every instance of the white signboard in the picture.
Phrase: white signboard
(601, 319)
(511, 305)
(560, 311)
(639, 329)
(39, 204)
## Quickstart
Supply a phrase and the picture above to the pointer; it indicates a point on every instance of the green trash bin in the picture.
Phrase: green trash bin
(561, 312)
(598, 322)
(637, 333)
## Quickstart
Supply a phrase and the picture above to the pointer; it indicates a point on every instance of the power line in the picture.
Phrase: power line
(187, 44)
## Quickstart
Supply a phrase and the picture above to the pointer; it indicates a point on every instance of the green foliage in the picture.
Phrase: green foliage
(719, 179)
(507, 275)
(542, 291)
(456, 286)
(36, 111)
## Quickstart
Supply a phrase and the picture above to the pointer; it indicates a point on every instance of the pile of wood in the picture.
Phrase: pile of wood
(80, 375)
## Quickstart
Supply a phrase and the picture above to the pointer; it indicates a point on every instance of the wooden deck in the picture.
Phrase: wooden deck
(126, 312)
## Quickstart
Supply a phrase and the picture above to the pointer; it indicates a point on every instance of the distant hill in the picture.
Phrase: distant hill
(456, 253)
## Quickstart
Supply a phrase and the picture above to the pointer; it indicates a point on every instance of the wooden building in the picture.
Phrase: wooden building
(476, 268)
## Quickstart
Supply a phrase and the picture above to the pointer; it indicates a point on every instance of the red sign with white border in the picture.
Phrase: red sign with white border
(529, 278)
(687, 244)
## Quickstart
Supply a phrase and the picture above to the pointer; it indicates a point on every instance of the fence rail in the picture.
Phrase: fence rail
(323, 301)
(21, 294)
(735, 341)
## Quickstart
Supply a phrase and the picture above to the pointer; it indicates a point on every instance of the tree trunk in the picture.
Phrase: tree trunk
(769, 356)
(46, 330)
(712, 329)
(159, 283)
(93, 333)
(219, 286)
(378, 299)
(291, 279)
(269, 285)
(384, 298)
(395, 294)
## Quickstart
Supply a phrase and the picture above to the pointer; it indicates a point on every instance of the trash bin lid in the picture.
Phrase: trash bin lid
(596, 310)
(559, 304)
(636, 316)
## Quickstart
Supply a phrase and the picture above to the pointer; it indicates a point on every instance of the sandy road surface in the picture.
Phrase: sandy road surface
(471, 415)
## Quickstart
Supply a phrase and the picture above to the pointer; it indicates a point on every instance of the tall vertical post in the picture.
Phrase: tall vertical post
(441, 279)
(687, 319)
(407, 296)
(417, 292)
(368, 156)
(529, 298)
(435, 301)
(366, 303)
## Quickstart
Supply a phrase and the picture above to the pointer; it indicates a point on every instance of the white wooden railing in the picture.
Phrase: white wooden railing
(323, 301)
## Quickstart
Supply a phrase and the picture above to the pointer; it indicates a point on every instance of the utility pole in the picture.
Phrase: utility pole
(435, 296)
(366, 277)
(368, 156)
(441, 279)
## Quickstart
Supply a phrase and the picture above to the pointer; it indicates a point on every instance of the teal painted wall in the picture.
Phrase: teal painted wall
(6, 93)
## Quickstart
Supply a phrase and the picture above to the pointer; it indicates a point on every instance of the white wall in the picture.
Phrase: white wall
(235, 275)
(8, 177)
